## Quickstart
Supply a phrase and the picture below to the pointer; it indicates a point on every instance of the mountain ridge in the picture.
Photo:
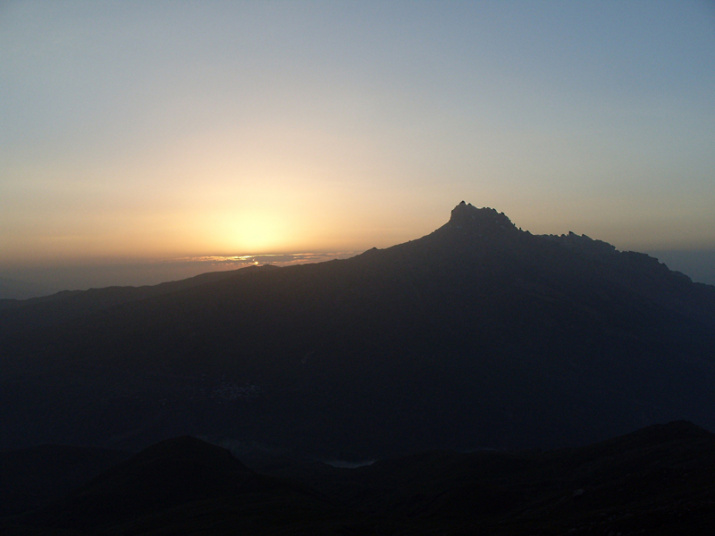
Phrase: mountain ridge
(656, 479)
(476, 335)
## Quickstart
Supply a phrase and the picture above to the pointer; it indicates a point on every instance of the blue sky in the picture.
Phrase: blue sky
(140, 132)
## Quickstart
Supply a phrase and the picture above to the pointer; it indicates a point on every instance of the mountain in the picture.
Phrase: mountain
(34, 476)
(478, 335)
(657, 480)
(181, 485)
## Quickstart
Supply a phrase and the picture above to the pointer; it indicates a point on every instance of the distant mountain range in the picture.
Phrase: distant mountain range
(657, 480)
(21, 290)
(478, 335)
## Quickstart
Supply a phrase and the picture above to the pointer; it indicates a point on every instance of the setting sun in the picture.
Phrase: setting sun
(252, 231)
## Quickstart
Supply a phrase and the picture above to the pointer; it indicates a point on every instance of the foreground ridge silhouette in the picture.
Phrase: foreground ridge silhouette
(656, 480)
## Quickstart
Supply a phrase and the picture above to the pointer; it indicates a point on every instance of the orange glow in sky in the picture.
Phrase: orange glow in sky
(132, 130)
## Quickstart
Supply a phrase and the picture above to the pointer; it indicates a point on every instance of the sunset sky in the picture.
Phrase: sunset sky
(147, 134)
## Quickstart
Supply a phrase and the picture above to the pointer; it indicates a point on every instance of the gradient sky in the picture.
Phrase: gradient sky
(136, 132)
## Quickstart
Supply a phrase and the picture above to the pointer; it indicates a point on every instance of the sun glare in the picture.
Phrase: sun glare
(254, 232)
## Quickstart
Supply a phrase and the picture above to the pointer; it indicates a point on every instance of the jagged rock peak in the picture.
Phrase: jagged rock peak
(465, 215)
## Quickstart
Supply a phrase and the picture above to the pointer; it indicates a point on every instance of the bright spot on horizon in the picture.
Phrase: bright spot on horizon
(252, 231)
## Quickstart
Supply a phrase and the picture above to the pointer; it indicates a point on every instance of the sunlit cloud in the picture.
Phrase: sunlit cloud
(227, 262)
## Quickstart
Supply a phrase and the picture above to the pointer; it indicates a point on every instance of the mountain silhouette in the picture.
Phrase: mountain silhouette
(33, 476)
(656, 480)
(178, 482)
(478, 335)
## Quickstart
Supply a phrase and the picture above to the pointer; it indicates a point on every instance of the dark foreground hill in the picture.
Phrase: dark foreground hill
(34, 476)
(658, 480)
(180, 486)
(478, 335)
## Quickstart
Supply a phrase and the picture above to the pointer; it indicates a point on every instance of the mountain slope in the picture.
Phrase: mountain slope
(477, 335)
(657, 480)
(31, 477)
(180, 485)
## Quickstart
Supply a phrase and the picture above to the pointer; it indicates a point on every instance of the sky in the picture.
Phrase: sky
(144, 141)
